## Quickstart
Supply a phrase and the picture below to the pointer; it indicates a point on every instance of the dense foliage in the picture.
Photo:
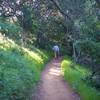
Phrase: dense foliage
(75, 76)
(19, 70)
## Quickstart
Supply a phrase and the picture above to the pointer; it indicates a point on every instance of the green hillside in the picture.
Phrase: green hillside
(19, 69)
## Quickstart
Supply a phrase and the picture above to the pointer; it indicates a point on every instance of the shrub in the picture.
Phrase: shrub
(19, 70)
(75, 77)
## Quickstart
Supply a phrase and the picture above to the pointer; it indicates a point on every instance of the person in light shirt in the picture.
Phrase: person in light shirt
(56, 51)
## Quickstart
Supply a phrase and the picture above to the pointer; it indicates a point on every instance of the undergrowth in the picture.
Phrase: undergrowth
(75, 77)
(20, 69)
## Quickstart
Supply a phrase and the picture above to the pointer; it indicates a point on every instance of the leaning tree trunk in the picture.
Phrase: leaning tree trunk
(76, 53)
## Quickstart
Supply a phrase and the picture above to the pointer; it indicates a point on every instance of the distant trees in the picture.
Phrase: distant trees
(20, 13)
(79, 25)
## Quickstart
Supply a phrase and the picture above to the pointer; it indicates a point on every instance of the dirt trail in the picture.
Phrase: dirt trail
(53, 86)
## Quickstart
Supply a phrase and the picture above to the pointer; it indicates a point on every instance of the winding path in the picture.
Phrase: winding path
(53, 86)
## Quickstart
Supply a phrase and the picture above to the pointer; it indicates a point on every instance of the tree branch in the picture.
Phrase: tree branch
(61, 11)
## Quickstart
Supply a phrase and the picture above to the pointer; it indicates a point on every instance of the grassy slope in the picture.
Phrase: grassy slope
(20, 69)
(74, 76)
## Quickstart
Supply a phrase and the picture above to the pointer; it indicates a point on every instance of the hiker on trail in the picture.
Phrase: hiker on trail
(56, 51)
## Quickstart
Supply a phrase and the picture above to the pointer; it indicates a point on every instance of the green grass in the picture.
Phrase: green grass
(20, 69)
(74, 77)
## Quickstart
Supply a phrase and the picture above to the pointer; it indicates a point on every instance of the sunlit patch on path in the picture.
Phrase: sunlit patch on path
(53, 86)
(55, 71)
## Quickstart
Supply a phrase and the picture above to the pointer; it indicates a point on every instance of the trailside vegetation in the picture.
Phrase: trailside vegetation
(76, 77)
(20, 69)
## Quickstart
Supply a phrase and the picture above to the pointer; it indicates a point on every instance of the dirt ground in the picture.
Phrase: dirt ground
(52, 85)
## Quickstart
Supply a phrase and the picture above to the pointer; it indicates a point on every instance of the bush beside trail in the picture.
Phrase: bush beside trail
(76, 77)
(20, 70)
